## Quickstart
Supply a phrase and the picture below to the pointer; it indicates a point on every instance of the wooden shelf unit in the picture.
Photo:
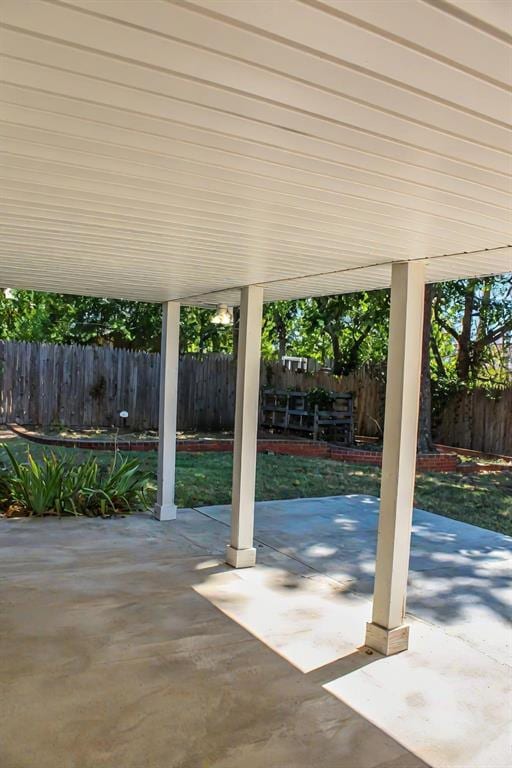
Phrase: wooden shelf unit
(288, 411)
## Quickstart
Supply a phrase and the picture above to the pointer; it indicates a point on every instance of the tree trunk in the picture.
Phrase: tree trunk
(338, 364)
(282, 336)
(464, 353)
(478, 347)
(425, 442)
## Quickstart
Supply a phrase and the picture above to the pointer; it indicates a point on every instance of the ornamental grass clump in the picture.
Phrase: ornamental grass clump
(57, 486)
(33, 488)
(118, 490)
(5, 491)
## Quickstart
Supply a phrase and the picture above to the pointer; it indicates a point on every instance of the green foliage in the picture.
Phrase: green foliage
(205, 478)
(282, 328)
(5, 487)
(199, 335)
(65, 319)
(321, 397)
(472, 333)
(119, 489)
(56, 485)
(38, 487)
(351, 329)
(470, 342)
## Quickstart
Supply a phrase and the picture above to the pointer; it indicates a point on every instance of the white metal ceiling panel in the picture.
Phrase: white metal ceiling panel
(179, 150)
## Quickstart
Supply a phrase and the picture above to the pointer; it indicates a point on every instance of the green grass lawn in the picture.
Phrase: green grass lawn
(205, 478)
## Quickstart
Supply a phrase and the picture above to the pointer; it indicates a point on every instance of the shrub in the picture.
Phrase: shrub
(115, 491)
(58, 486)
(5, 490)
(37, 488)
(321, 397)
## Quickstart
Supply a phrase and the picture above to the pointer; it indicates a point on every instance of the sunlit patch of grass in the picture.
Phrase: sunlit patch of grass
(483, 499)
(205, 478)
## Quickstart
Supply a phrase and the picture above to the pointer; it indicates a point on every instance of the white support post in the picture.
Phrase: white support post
(387, 632)
(165, 508)
(240, 552)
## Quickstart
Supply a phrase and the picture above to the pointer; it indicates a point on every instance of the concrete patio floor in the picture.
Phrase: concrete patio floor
(459, 576)
(129, 643)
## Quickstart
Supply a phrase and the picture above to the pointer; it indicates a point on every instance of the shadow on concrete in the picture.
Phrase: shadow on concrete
(454, 568)
(113, 657)
(359, 659)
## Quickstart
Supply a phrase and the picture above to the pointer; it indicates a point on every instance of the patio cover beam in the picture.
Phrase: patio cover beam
(240, 552)
(387, 632)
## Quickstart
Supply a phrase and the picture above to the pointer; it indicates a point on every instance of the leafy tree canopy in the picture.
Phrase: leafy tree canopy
(470, 341)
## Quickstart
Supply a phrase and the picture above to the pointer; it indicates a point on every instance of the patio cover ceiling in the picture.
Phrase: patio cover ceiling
(157, 150)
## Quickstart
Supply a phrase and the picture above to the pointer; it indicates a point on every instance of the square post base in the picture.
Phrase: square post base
(387, 641)
(240, 558)
(165, 512)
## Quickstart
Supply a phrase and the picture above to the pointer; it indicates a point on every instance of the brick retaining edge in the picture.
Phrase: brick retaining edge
(426, 462)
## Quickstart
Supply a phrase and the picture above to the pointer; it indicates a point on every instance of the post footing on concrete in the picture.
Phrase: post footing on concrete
(240, 558)
(165, 512)
(387, 641)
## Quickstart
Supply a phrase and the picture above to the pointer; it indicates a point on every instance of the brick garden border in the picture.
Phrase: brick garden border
(84, 443)
(444, 461)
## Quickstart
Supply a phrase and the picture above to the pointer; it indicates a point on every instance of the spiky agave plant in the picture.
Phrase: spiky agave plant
(78, 482)
(37, 487)
(119, 489)
(56, 485)
(5, 488)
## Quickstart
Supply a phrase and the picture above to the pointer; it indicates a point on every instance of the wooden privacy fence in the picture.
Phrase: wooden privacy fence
(48, 384)
(474, 420)
(77, 386)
